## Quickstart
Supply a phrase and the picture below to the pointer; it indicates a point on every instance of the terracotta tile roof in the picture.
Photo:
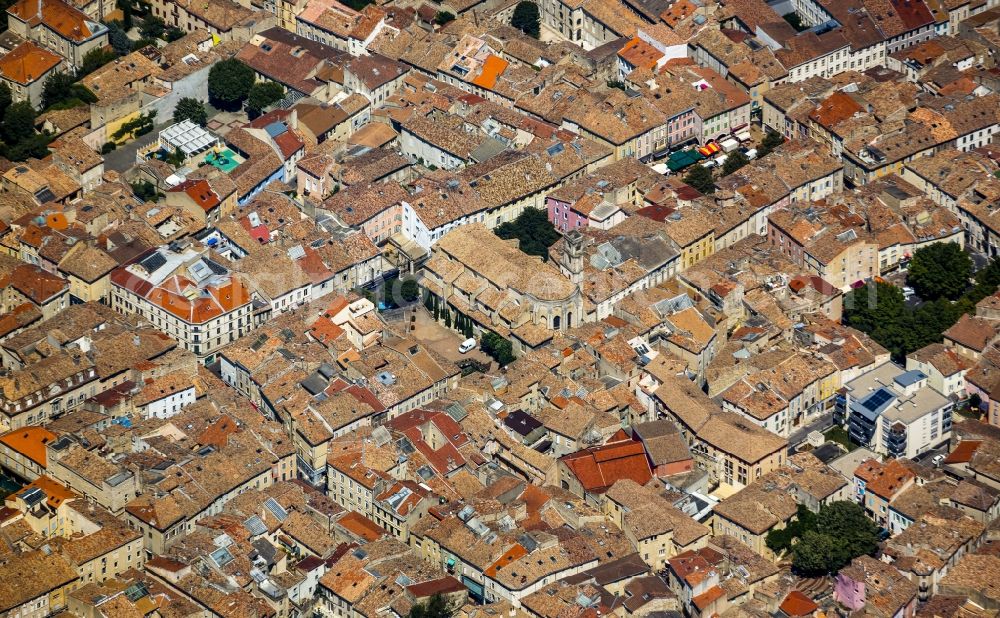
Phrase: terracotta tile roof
(963, 452)
(493, 68)
(63, 19)
(29, 442)
(28, 63)
(200, 192)
(640, 54)
(599, 467)
(972, 332)
(798, 604)
(361, 526)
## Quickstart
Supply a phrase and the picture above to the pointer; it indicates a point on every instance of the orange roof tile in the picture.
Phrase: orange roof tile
(30, 442)
(56, 492)
(493, 68)
(640, 54)
(28, 63)
(63, 19)
(514, 553)
(359, 525)
(798, 604)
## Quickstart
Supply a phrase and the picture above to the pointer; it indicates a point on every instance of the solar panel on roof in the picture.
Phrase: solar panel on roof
(877, 399)
(136, 591)
(255, 525)
(153, 262)
(276, 509)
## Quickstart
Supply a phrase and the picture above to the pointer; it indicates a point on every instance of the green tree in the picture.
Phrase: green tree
(847, 523)
(533, 230)
(700, 177)
(734, 161)
(118, 39)
(975, 401)
(35, 146)
(6, 98)
(191, 109)
(409, 290)
(940, 270)
(152, 27)
(144, 190)
(815, 554)
(435, 607)
(18, 123)
(262, 95)
(108, 147)
(447, 318)
(772, 139)
(95, 59)
(443, 17)
(842, 533)
(57, 88)
(499, 348)
(229, 83)
(125, 6)
(781, 540)
(527, 19)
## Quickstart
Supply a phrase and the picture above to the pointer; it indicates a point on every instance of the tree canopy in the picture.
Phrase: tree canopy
(700, 177)
(18, 122)
(191, 109)
(435, 607)
(409, 290)
(58, 87)
(95, 59)
(527, 19)
(842, 533)
(734, 161)
(879, 310)
(118, 39)
(229, 83)
(499, 348)
(940, 270)
(262, 95)
(533, 230)
(772, 139)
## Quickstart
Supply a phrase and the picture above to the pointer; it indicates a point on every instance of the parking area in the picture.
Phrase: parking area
(435, 336)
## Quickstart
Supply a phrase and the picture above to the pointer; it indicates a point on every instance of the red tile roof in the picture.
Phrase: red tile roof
(493, 68)
(29, 442)
(200, 192)
(798, 604)
(28, 63)
(599, 467)
(963, 452)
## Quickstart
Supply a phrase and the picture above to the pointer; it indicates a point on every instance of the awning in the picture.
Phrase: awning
(684, 158)
(743, 136)
(709, 149)
(730, 144)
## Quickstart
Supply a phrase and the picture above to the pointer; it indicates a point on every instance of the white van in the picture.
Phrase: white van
(751, 154)
(467, 345)
(709, 163)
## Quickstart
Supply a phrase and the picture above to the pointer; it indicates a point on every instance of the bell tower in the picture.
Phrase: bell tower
(571, 261)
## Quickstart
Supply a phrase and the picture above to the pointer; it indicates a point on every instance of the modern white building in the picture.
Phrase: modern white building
(896, 412)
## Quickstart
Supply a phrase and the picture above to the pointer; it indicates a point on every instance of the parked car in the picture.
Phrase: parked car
(467, 345)
(908, 292)
(936, 460)
(751, 153)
